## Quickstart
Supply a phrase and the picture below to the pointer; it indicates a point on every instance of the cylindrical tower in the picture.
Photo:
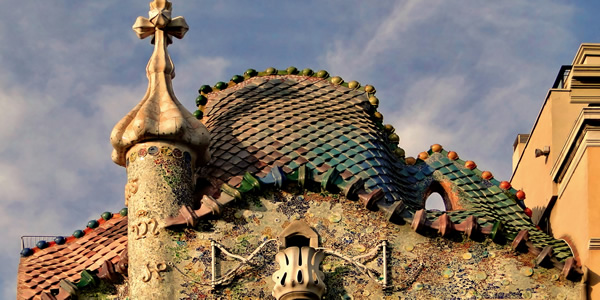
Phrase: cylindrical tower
(160, 143)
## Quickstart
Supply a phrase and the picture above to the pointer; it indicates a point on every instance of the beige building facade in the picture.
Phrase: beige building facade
(558, 163)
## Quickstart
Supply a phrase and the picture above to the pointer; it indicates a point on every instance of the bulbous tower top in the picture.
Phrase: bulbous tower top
(159, 115)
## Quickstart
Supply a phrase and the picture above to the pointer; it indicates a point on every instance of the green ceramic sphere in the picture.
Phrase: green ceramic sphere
(78, 233)
(337, 80)
(220, 85)
(292, 70)
(201, 100)
(92, 224)
(369, 89)
(250, 73)
(307, 72)
(205, 89)
(237, 78)
(374, 101)
(123, 212)
(399, 152)
(107, 215)
(198, 114)
(394, 138)
(271, 71)
(322, 74)
(353, 84)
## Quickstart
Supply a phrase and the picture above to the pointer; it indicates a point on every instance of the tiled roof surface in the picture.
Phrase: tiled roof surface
(292, 120)
(488, 202)
(42, 271)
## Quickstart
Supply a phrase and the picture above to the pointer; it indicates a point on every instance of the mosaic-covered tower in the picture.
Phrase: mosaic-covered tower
(160, 143)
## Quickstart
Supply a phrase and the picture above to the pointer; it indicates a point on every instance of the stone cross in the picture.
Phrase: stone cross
(159, 18)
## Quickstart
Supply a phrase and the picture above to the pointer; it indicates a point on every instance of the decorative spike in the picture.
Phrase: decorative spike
(231, 191)
(471, 226)
(371, 198)
(107, 271)
(520, 240)
(445, 225)
(328, 179)
(544, 256)
(418, 222)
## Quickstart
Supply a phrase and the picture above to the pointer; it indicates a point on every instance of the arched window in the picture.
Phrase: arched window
(435, 201)
(439, 196)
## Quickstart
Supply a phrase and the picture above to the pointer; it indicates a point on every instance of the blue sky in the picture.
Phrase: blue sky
(469, 75)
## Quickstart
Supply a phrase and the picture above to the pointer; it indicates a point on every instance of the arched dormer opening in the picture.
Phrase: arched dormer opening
(439, 196)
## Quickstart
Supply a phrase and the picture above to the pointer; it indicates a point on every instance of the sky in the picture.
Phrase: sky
(469, 75)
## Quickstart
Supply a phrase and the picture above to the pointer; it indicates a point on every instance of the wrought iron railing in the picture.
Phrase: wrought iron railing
(30, 241)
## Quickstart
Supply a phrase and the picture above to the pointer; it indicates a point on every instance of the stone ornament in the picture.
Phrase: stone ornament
(159, 115)
(153, 270)
(299, 276)
(130, 189)
(143, 228)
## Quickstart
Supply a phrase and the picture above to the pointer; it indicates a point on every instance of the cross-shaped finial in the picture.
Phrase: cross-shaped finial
(160, 19)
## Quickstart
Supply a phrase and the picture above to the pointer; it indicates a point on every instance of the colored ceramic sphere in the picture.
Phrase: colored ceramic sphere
(26, 252)
(237, 78)
(92, 224)
(337, 80)
(271, 71)
(378, 116)
(410, 160)
(399, 152)
(292, 70)
(322, 74)
(198, 114)
(374, 101)
(353, 84)
(436, 148)
(369, 89)
(123, 211)
(487, 175)
(423, 155)
(307, 72)
(389, 128)
(205, 89)
(250, 73)
(452, 155)
(107, 215)
(469, 164)
(528, 212)
(394, 138)
(78, 233)
(41, 244)
(59, 240)
(505, 185)
(520, 195)
(201, 100)
(220, 85)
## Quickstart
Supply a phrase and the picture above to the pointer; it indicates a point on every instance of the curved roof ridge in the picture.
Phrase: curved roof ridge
(322, 75)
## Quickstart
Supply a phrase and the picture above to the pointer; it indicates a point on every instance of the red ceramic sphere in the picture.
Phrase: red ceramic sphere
(505, 185)
(487, 175)
(528, 211)
(470, 164)
(520, 195)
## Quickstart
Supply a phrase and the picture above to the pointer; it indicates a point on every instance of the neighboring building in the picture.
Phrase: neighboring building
(291, 187)
(558, 163)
